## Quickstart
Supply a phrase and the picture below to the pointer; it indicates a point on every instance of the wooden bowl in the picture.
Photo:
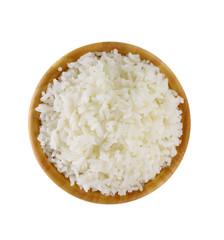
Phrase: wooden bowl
(59, 178)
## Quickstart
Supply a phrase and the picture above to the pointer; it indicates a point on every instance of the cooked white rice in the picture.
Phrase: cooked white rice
(110, 122)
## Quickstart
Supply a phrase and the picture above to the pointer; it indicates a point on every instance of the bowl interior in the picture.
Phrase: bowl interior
(34, 124)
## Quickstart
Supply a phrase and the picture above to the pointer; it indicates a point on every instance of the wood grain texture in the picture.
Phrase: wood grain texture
(59, 178)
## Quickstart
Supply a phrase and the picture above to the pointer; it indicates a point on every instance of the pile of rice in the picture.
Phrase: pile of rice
(110, 122)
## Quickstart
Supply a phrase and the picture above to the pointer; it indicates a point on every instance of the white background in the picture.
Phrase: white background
(189, 37)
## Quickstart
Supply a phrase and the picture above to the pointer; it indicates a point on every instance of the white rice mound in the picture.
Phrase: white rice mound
(110, 122)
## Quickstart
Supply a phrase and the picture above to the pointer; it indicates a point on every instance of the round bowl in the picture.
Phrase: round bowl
(59, 178)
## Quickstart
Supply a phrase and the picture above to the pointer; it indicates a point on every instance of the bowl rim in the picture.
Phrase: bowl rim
(58, 178)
